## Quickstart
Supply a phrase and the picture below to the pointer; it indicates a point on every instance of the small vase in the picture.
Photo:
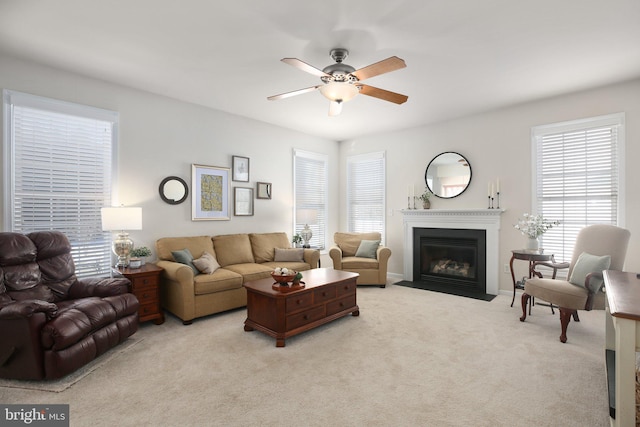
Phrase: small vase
(426, 204)
(533, 244)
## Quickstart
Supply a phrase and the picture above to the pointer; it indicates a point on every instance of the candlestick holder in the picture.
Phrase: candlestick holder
(488, 202)
(498, 200)
(408, 202)
(414, 202)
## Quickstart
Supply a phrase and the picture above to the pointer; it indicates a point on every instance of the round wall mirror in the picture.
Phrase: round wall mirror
(448, 175)
(173, 190)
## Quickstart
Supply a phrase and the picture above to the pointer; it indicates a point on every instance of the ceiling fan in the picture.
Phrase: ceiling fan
(341, 82)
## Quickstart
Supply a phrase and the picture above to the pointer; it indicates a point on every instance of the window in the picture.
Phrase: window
(366, 193)
(58, 167)
(577, 177)
(310, 192)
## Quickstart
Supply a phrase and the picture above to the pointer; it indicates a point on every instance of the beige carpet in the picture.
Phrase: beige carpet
(412, 357)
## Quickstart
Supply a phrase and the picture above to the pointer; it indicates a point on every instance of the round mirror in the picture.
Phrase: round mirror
(448, 175)
(173, 190)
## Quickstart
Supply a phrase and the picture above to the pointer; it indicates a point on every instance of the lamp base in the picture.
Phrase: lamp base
(122, 247)
(306, 235)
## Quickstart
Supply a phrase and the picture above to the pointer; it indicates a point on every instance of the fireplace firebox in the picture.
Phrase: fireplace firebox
(450, 258)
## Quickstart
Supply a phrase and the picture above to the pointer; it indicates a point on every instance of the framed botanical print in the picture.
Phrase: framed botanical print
(264, 190)
(210, 200)
(242, 201)
(240, 169)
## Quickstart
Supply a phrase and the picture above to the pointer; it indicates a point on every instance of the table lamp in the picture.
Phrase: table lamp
(306, 217)
(121, 219)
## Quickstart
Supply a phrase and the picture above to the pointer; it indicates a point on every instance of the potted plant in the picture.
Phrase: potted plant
(426, 204)
(534, 226)
(140, 253)
(297, 240)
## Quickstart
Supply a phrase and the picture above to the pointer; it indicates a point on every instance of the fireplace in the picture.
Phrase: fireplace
(450, 258)
(485, 221)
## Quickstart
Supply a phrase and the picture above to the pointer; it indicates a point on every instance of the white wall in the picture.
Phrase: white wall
(498, 144)
(160, 137)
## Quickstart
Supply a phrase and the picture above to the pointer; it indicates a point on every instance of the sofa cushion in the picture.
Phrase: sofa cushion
(251, 271)
(357, 263)
(220, 280)
(349, 242)
(263, 245)
(290, 255)
(206, 264)
(368, 248)
(233, 249)
(184, 257)
(197, 245)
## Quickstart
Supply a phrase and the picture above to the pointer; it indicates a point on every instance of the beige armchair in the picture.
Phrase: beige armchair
(369, 259)
(598, 247)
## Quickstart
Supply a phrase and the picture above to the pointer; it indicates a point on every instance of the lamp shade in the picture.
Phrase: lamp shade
(307, 216)
(121, 218)
(339, 91)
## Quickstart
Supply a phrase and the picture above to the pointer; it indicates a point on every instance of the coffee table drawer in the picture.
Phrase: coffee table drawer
(324, 294)
(299, 302)
(302, 318)
(345, 289)
(341, 304)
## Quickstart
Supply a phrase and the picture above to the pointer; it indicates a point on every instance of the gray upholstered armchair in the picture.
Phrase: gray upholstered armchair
(598, 247)
(361, 253)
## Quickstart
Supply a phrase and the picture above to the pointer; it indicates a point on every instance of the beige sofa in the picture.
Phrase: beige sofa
(373, 269)
(242, 257)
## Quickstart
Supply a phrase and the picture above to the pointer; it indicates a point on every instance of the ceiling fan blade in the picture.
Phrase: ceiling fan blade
(385, 66)
(386, 95)
(335, 108)
(293, 93)
(305, 67)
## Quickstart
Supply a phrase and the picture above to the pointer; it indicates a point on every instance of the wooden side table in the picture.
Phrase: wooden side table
(145, 285)
(526, 255)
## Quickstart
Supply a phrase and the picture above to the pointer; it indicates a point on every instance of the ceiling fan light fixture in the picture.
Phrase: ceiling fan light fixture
(339, 91)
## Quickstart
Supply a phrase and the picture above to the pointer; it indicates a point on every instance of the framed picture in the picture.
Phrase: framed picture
(240, 169)
(210, 200)
(263, 190)
(243, 201)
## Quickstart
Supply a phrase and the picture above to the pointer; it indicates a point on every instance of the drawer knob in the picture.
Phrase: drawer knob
(299, 302)
(305, 317)
(324, 294)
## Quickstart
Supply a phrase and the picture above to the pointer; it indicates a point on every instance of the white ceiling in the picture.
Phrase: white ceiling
(463, 56)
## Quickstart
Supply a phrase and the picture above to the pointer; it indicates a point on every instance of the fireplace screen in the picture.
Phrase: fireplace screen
(449, 257)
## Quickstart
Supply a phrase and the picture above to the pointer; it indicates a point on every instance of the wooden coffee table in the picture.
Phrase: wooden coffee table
(327, 295)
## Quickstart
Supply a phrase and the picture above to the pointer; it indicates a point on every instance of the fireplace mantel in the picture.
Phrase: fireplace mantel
(478, 219)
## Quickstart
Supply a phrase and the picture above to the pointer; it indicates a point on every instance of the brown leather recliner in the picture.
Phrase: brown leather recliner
(52, 323)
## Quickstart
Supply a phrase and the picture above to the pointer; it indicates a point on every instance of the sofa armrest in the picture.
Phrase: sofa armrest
(383, 254)
(312, 257)
(26, 308)
(176, 271)
(99, 287)
(336, 256)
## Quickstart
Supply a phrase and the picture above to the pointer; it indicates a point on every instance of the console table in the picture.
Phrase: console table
(622, 341)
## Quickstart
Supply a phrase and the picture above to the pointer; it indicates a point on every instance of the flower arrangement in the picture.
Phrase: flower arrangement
(534, 226)
(297, 239)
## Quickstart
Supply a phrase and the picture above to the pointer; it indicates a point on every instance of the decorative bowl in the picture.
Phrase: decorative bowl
(284, 279)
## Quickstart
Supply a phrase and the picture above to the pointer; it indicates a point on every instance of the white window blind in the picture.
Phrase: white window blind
(366, 193)
(577, 177)
(58, 173)
(310, 183)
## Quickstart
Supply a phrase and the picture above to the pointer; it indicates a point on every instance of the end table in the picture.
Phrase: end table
(145, 285)
(527, 255)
